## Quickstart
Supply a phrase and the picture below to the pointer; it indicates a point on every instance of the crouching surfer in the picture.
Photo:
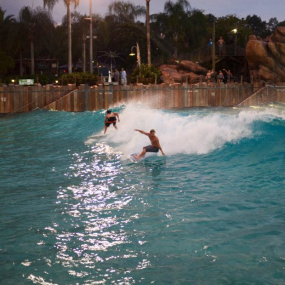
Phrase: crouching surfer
(111, 118)
(155, 145)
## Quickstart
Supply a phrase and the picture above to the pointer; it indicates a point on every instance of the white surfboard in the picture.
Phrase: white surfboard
(133, 158)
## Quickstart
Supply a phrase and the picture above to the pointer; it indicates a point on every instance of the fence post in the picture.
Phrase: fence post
(86, 99)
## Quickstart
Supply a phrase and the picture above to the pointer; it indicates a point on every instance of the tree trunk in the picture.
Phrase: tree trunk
(32, 58)
(148, 33)
(21, 61)
(84, 53)
(69, 38)
(138, 55)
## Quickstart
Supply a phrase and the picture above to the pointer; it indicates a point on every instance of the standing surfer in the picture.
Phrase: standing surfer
(111, 118)
(155, 145)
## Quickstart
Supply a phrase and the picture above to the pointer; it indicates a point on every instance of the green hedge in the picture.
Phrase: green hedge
(78, 78)
(145, 74)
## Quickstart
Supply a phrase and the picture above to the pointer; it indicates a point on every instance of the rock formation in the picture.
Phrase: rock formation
(178, 73)
(266, 59)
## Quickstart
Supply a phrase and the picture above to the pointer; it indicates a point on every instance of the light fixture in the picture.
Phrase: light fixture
(132, 51)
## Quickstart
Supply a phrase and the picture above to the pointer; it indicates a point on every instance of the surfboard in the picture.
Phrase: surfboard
(133, 158)
(101, 135)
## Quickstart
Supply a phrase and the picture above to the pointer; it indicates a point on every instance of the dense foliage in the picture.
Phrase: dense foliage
(145, 74)
(179, 29)
(78, 78)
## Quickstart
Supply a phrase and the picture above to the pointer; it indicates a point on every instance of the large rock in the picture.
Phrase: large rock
(179, 73)
(266, 59)
(170, 74)
(193, 67)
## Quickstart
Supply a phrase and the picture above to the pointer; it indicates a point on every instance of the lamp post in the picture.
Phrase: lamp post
(138, 54)
(148, 33)
(235, 32)
(90, 37)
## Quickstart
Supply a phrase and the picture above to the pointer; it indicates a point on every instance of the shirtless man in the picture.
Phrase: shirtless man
(154, 147)
(111, 118)
(221, 44)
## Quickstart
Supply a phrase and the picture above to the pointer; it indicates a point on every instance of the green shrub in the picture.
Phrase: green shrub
(78, 78)
(145, 74)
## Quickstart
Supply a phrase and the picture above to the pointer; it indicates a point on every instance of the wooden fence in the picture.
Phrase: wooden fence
(14, 99)
(19, 99)
(266, 95)
(162, 96)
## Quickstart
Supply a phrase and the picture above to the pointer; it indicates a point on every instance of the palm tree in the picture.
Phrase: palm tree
(148, 34)
(50, 4)
(125, 11)
(27, 23)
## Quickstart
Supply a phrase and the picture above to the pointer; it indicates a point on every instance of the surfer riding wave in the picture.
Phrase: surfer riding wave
(155, 145)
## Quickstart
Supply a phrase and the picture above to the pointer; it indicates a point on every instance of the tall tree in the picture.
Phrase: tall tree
(257, 26)
(5, 27)
(28, 23)
(125, 11)
(50, 4)
(148, 34)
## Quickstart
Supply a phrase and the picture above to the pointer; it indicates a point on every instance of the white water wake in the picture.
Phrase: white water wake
(194, 133)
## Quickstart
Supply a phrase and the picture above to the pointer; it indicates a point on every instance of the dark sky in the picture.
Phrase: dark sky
(266, 9)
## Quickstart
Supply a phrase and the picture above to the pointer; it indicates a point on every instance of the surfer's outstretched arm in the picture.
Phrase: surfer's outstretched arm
(142, 132)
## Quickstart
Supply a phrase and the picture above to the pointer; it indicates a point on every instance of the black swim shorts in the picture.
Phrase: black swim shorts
(151, 148)
(108, 124)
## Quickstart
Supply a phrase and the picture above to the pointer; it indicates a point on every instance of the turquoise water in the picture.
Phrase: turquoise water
(75, 210)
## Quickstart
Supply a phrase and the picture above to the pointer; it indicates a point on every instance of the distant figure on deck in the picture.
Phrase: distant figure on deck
(221, 76)
(221, 45)
(229, 76)
(123, 76)
(117, 75)
(208, 77)
(154, 147)
(111, 118)
(210, 43)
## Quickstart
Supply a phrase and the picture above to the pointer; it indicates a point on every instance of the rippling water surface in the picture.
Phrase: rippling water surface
(75, 210)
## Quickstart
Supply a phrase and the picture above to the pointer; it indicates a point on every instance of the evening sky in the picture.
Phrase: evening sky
(265, 9)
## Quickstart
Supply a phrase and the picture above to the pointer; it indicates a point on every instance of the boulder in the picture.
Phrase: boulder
(193, 67)
(266, 59)
(169, 74)
(179, 73)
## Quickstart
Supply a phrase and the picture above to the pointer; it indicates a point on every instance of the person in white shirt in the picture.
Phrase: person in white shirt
(123, 77)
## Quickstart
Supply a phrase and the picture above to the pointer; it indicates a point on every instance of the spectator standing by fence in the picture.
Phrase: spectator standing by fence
(123, 76)
(229, 77)
(221, 76)
(117, 75)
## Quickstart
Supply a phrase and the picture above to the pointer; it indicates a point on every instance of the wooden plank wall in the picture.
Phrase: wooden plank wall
(20, 99)
(266, 95)
(162, 96)
(86, 98)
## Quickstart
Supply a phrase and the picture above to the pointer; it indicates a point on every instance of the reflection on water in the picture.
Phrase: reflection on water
(94, 229)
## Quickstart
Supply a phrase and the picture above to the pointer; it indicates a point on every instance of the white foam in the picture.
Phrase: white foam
(197, 133)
